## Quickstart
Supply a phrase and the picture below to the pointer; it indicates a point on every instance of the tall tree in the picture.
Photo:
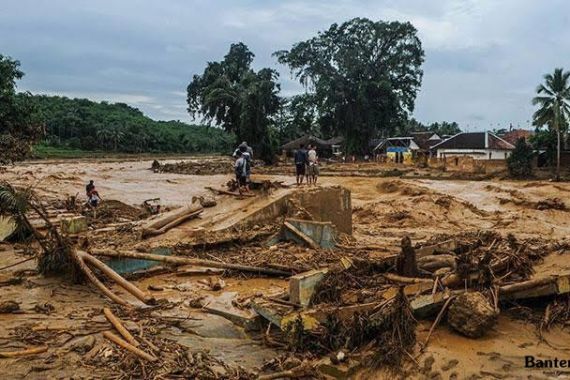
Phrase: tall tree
(364, 75)
(231, 94)
(20, 125)
(553, 99)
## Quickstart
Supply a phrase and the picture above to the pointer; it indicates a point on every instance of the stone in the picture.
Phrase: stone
(82, 345)
(472, 315)
(302, 286)
(73, 225)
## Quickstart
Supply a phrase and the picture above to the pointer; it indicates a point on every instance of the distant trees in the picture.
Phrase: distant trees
(362, 77)
(20, 126)
(231, 94)
(442, 128)
(553, 99)
(87, 125)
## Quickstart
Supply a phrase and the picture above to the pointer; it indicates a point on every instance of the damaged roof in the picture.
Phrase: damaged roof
(474, 140)
(309, 139)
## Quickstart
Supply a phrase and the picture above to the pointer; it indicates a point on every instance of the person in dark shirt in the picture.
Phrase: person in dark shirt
(300, 163)
(89, 188)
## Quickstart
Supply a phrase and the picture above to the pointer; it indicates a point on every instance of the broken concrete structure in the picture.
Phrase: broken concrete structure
(302, 286)
(73, 225)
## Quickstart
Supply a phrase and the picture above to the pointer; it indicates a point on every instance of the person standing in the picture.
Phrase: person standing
(240, 167)
(313, 164)
(300, 163)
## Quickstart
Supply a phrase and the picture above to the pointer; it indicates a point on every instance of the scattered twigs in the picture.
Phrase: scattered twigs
(126, 345)
(225, 192)
(437, 320)
(116, 322)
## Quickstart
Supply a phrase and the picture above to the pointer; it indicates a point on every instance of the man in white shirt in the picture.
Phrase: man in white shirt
(313, 161)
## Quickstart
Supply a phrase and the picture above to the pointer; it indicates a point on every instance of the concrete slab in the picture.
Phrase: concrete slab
(323, 234)
(302, 286)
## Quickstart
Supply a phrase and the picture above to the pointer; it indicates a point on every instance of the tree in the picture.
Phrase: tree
(20, 124)
(364, 77)
(231, 94)
(553, 99)
(519, 162)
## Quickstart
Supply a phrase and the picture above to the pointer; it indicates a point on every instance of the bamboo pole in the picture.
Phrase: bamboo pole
(190, 261)
(407, 280)
(526, 285)
(95, 281)
(29, 351)
(128, 286)
(116, 322)
(129, 347)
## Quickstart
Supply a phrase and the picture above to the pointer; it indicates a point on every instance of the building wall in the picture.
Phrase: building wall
(467, 164)
(476, 154)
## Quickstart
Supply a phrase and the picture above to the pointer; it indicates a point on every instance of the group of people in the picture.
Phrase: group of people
(307, 164)
(244, 160)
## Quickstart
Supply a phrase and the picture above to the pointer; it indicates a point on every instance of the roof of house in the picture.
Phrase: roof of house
(474, 140)
(425, 140)
(309, 139)
(516, 134)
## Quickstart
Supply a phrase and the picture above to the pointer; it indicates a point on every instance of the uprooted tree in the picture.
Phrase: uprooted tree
(20, 124)
(363, 77)
(520, 161)
(231, 94)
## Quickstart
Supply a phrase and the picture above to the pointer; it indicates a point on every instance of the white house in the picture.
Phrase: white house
(479, 145)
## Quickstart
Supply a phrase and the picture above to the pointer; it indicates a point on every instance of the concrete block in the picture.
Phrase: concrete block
(73, 225)
(302, 286)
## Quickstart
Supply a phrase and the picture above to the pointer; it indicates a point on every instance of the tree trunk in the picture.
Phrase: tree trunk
(558, 152)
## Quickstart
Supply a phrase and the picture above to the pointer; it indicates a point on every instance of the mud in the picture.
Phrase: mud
(58, 313)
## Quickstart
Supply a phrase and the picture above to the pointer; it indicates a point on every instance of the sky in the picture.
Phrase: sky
(483, 58)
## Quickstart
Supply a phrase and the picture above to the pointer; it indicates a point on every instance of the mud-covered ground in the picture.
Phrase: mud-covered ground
(68, 317)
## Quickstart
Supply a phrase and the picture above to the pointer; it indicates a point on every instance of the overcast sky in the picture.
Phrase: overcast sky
(483, 60)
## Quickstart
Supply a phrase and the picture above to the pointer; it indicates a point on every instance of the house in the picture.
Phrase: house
(514, 135)
(326, 148)
(477, 145)
(407, 149)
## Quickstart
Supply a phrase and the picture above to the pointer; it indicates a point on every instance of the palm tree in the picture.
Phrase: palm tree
(554, 101)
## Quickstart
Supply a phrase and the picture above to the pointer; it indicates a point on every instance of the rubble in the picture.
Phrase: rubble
(472, 315)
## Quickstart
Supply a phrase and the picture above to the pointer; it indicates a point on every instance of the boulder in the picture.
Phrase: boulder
(471, 314)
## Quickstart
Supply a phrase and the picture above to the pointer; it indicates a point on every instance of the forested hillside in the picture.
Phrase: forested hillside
(91, 126)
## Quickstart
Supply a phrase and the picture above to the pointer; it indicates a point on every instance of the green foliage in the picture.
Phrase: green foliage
(298, 117)
(20, 126)
(75, 125)
(553, 101)
(363, 77)
(520, 161)
(443, 128)
(231, 94)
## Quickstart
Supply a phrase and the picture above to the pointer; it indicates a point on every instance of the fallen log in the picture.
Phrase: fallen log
(171, 220)
(29, 351)
(225, 192)
(95, 281)
(178, 260)
(407, 280)
(128, 286)
(434, 262)
(116, 322)
(168, 217)
(126, 345)
(526, 285)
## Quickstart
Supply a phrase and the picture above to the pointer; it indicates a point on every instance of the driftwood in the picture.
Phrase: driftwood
(310, 242)
(126, 345)
(526, 285)
(225, 192)
(178, 260)
(406, 264)
(29, 351)
(407, 280)
(171, 220)
(128, 286)
(434, 262)
(116, 322)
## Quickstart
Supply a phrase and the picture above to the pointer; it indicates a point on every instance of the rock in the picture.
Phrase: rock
(8, 307)
(82, 345)
(205, 201)
(471, 314)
